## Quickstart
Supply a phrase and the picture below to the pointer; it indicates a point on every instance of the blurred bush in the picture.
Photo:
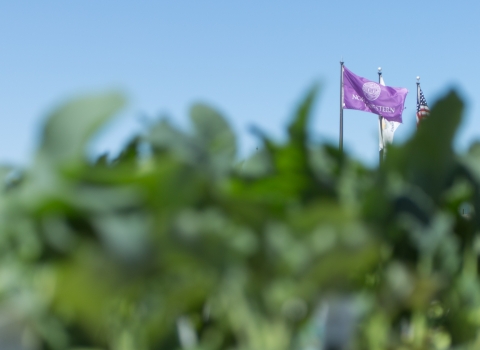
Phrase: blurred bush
(176, 244)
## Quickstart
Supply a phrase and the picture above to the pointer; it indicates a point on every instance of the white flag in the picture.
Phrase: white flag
(386, 129)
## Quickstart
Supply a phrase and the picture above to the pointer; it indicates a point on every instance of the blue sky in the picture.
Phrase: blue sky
(253, 60)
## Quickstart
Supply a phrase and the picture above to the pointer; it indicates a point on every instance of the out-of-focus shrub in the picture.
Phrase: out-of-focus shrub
(187, 247)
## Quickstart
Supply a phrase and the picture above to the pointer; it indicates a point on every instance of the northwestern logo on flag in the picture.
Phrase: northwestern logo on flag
(365, 95)
(371, 90)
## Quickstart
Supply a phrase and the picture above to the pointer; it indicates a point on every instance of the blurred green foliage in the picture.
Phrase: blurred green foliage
(176, 244)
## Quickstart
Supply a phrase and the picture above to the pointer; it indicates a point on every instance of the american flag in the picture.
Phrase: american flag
(422, 106)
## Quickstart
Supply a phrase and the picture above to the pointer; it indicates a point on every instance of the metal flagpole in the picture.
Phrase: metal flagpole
(380, 128)
(340, 146)
(418, 98)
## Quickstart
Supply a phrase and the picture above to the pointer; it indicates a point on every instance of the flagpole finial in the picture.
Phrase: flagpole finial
(418, 78)
(379, 70)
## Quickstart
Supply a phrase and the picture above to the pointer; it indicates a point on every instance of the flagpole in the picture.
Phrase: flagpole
(340, 146)
(418, 97)
(380, 129)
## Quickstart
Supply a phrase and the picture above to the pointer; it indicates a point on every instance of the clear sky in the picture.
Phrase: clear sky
(253, 60)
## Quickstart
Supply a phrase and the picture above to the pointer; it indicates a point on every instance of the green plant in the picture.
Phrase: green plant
(297, 247)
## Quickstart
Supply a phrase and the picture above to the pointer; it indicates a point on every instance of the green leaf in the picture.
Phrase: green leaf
(298, 127)
(163, 137)
(427, 159)
(214, 137)
(70, 127)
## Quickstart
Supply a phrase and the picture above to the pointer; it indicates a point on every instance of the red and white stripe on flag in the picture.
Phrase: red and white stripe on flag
(423, 112)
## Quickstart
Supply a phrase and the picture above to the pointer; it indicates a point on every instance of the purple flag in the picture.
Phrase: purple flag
(366, 95)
